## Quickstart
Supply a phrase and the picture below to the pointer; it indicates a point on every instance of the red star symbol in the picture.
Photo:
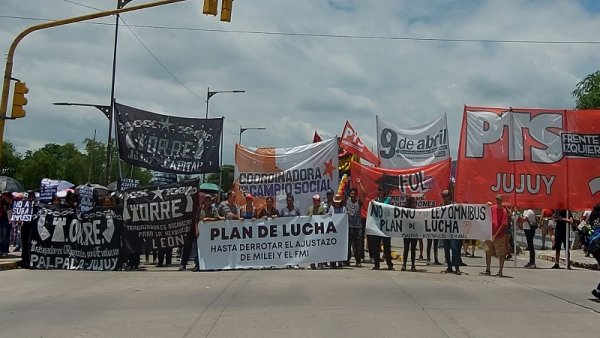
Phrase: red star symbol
(329, 168)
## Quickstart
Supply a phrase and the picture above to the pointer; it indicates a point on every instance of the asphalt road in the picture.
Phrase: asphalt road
(353, 302)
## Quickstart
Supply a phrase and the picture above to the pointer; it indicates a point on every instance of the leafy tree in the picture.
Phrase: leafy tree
(227, 172)
(587, 92)
(11, 160)
(52, 161)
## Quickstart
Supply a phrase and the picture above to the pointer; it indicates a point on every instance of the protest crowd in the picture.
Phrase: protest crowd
(324, 209)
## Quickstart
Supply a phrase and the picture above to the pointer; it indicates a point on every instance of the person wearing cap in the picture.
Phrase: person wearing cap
(451, 246)
(497, 245)
(248, 211)
(375, 241)
(337, 208)
(329, 195)
(228, 210)
(316, 209)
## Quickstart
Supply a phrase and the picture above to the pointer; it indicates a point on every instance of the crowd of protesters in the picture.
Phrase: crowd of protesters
(554, 223)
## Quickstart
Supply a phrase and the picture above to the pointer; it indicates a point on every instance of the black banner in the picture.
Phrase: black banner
(59, 240)
(162, 214)
(170, 144)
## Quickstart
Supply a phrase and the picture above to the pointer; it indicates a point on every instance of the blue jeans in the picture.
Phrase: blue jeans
(452, 246)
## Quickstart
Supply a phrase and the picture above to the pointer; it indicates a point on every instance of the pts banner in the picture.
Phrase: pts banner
(455, 221)
(537, 158)
(275, 242)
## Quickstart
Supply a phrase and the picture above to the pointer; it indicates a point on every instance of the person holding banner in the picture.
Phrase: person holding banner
(248, 211)
(337, 208)
(409, 242)
(290, 210)
(353, 205)
(269, 211)
(316, 209)
(26, 233)
(228, 210)
(497, 246)
(451, 246)
(375, 242)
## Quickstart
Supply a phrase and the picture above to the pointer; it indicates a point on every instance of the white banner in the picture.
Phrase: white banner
(275, 242)
(413, 147)
(455, 221)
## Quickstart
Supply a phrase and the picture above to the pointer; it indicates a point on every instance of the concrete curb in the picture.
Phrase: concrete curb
(583, 265)
(9, 264)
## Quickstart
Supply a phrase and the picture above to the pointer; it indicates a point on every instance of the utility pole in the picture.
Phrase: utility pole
(50, 24)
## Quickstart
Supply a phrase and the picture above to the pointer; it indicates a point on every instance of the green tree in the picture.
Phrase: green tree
(227, 172)
(587, 92)
(11, 160)
(52, 161)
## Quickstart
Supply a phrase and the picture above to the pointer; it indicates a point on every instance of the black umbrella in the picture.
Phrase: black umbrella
(10, 184)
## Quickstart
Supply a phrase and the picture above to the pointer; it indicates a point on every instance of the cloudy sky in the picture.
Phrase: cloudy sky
(305, 65)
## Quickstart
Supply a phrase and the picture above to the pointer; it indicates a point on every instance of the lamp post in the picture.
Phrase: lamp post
(107, 111)
(242, 130)
(210, 94)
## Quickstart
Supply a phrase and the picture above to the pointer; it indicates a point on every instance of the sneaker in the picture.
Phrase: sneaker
(463, 264)
(390, 267)
(437, 263)
(485, 273)
(413, 269)
(555, 266)
(596, 293)
(375, 267)
(499, 274)
(458, 273)
(448, 270)
(182, 268)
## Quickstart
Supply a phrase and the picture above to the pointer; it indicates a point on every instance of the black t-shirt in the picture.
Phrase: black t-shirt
(4, 207)
(561, 226)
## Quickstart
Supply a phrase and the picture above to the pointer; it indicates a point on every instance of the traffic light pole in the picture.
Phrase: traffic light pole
(50, 24)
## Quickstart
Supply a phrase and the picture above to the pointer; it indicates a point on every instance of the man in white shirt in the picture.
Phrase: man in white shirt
(529, 222)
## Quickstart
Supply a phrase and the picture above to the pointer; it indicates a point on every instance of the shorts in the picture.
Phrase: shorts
(560, 238)
(496, 248)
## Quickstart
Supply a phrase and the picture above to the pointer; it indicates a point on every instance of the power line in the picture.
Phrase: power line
(342, 36)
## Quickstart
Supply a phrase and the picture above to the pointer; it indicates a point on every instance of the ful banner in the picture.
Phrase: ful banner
(59, 240)
(412, 147)
(300, 171)
(169, 144)
(275, 242)
(163, 215)
(536, 158)
(455, 221)
(425, 184)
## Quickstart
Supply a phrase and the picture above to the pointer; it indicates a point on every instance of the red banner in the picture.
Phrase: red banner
(538, 158)
(351, 143)
(424, 183)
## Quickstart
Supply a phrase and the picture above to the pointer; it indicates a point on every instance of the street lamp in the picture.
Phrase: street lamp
(242, 130)
(210, 94)
(107, 111)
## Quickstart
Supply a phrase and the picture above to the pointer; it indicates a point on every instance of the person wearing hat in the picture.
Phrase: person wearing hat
(316, 209)
(248, 211)
(329, 195)
(497, 245)
(337, 208)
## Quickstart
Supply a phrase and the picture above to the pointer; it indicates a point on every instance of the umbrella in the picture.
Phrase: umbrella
(62, 185)
(63, 193)
(112, 186)
(10, 184)
(210, 187)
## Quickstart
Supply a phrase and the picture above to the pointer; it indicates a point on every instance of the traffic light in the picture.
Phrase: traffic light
(19, 100)
(226, 10)
(210, 7)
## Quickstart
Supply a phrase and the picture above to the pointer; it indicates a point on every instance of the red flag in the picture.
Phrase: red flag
(352, 144)
(317, 138)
